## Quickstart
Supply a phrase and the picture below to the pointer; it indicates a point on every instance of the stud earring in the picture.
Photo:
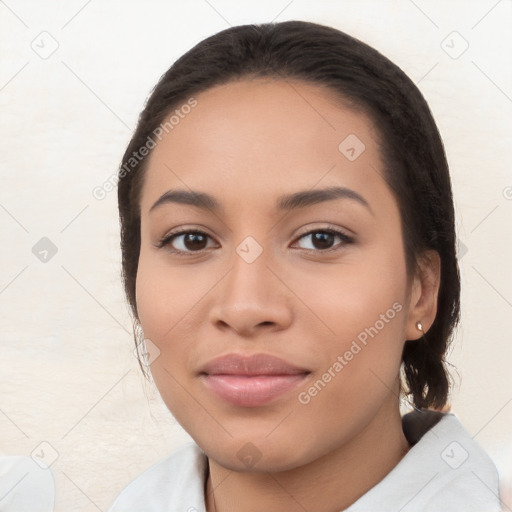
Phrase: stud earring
(419, 326)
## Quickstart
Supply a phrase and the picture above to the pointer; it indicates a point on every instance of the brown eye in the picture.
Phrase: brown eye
(322, 240)
(186, 241)
(194, 241)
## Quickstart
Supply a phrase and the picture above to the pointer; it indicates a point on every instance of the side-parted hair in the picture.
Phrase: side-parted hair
(412, 153)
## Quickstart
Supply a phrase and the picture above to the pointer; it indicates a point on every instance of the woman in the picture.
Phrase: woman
(288, 250)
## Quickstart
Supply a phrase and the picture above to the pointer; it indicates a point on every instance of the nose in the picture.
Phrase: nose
(251, 299)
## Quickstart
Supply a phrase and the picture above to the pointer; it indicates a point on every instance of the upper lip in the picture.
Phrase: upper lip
(256, 364)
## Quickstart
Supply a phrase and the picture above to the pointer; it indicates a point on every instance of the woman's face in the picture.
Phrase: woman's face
(279, 339)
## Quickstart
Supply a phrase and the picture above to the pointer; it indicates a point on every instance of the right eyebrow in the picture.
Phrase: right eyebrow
(197, 199)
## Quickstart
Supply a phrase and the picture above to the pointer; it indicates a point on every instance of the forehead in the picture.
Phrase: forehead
(255, 138)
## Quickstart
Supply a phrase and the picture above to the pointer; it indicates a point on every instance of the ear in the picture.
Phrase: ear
(424, 293)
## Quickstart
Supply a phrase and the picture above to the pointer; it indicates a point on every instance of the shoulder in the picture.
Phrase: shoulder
(445, 469)
(467, 477)
(174, 483)
(26, 484)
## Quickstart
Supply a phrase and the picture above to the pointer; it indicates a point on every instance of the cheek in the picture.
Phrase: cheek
(361, 360)
(359, 307)
(358, 298)
(170, 303)
(166, 295)
(162, 303)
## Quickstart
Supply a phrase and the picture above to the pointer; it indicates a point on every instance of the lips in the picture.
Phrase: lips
(251, 381)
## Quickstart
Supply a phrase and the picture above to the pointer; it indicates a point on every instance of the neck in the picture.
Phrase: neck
(331, 483)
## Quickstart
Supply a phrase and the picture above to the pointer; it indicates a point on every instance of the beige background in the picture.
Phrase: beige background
(68, 376)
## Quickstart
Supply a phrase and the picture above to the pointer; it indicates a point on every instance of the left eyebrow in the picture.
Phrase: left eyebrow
(310, 197)
(301, 199)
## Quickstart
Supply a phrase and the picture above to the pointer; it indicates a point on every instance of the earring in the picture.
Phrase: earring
(419, 326)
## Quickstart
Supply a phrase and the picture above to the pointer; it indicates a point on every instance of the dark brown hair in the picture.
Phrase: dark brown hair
(414, 160)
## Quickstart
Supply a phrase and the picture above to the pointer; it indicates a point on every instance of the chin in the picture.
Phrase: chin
(257, 454)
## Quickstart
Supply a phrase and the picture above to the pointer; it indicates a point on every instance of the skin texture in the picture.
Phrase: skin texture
(247, 143)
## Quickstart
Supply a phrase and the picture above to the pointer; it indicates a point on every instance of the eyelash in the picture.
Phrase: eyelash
(166, 240)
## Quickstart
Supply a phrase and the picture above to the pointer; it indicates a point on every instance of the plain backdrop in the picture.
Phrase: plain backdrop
(74, 76)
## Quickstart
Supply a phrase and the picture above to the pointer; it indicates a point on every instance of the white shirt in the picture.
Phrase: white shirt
(444, 471)
(25, 486)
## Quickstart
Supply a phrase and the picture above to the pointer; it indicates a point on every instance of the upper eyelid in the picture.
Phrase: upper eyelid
(326, 226)
(167, 239)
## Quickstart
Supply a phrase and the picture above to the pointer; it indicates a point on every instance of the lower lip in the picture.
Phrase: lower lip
(251, 391)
